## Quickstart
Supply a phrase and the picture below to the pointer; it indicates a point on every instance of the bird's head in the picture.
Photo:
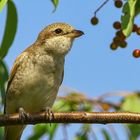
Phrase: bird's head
(58, 37)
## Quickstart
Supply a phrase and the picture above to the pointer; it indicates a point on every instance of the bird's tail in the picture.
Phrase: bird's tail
(13, 132)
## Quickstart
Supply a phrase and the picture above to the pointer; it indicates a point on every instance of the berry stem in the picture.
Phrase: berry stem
(100, 7)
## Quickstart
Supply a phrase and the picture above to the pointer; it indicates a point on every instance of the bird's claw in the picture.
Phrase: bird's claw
(49, 114)
(22, 114)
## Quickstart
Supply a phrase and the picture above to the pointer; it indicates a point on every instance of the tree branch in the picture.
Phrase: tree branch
(73, 117)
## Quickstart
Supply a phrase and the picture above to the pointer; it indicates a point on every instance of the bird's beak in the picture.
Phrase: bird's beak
(75, 33)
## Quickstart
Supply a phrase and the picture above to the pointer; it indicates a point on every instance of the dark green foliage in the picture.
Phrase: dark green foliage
(10, 29)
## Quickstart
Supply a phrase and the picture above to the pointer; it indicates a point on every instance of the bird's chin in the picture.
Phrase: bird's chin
(59, 52)
(60, 45)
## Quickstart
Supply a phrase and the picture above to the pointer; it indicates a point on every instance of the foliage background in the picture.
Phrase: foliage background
(91, 67)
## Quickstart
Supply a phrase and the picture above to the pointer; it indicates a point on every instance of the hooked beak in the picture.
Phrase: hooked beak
(75, 34)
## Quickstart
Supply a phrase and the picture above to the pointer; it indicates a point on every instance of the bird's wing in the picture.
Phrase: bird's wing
(62, 74)
(62, 77)
(15, 67)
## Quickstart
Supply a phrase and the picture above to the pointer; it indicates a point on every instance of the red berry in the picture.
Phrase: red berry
(123, 44)
(113, 46)
(117, 25)
(116, 39)
(120, 34)
(118, 3)
(94, 20)
(138, 31)
(136, 53)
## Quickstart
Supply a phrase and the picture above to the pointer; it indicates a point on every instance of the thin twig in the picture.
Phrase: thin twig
(73, 117)
(100, 7)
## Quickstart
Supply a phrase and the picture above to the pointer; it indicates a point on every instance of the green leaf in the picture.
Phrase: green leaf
(137, 11)
(51, 129)
(38, 131)
(131, 103)
(3, 78)
(86, 128)
(10, 29)
(1, 133)
(2, 4)
(81, 137)
(3, 70)
(106, 134)
(134, 131)
(42, 129)
(128, 17)
(55, 3)
(61, 105)
(83, 134)
(87, 106)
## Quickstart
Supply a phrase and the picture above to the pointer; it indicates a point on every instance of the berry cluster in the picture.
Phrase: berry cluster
(136, 29)
(119, 39)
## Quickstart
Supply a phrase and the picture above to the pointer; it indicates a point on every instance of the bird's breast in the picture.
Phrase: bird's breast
(36, 87)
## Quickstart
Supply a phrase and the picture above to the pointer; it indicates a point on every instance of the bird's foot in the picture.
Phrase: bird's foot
(22, 114)
(49, 114)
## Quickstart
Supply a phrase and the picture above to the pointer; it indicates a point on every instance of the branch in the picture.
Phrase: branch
(73, 117)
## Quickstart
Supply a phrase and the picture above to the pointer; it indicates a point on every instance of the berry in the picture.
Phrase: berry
(136, 53)
(135, 27)
(120, 34)
(117, 25)
(113, 46)
(138, 31)
(116, 39)
(94, 20)
(123, 44)
(118, 3)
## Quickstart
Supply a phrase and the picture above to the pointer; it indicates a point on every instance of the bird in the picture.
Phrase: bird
(37, 74)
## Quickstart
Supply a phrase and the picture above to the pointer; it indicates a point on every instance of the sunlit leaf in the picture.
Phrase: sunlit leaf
(131, 103)
(86, 106)
(10, 29)
(2, 4)
(128, 17)
(61, 105)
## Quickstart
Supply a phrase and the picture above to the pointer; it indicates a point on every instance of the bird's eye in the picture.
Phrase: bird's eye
(58, 31)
